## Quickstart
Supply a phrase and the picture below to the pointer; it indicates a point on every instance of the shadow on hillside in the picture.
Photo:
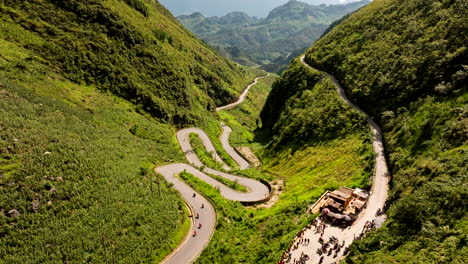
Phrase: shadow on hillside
(263, 135)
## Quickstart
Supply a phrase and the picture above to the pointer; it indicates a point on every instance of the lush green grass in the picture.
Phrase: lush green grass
(231, 184)
(95, 203)
(310, 171)
(205, 157)
(246, 235)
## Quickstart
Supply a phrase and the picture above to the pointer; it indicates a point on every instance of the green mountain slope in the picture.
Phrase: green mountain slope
(88, 92)
(295, 25)
(405, 62)
(143, 56)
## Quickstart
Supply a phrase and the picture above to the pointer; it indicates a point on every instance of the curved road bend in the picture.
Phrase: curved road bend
(183, 136)
(242, 96)
(243, 164)
(257, 190)
(193, 246)
(377, 198)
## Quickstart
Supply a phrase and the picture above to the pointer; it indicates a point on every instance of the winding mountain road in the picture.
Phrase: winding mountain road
(242, 96)
(378, 196)
(192, 246)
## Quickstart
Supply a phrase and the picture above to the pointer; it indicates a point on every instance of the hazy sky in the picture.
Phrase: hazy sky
(259, 8)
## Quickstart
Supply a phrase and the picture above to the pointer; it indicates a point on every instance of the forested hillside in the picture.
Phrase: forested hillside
(406, 63)
(134, 49)
(89, 90)
(268, 41)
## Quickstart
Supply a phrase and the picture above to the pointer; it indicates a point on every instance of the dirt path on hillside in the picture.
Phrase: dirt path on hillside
(377, 198)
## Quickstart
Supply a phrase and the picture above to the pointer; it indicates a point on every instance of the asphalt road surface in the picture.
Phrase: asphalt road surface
(192, 246)
(242, 96)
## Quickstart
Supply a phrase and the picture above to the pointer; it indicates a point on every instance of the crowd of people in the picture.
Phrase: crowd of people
(330, 247)
(302, 241)
(320, 228)
(369, 226)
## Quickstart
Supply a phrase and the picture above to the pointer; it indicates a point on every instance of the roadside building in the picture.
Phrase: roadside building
(342, 202)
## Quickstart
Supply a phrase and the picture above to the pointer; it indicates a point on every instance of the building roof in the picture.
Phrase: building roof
(361, 193)
(343, 196)
(359, 204)
(337, 198)
(334, 204)
(346, 190)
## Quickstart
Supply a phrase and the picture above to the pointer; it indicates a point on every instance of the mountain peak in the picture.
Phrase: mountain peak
(299, 10)
(236, 18)
(197, 14)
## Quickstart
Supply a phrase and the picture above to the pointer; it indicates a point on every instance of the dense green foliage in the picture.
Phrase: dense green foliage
(419, 53)
(405, 62)
(267, 41)
(428, 214)
(86, 91)
(88, 175)
(138, 52)
(304, 107)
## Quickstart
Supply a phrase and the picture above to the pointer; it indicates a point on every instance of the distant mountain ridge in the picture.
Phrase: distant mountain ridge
(287, 28)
